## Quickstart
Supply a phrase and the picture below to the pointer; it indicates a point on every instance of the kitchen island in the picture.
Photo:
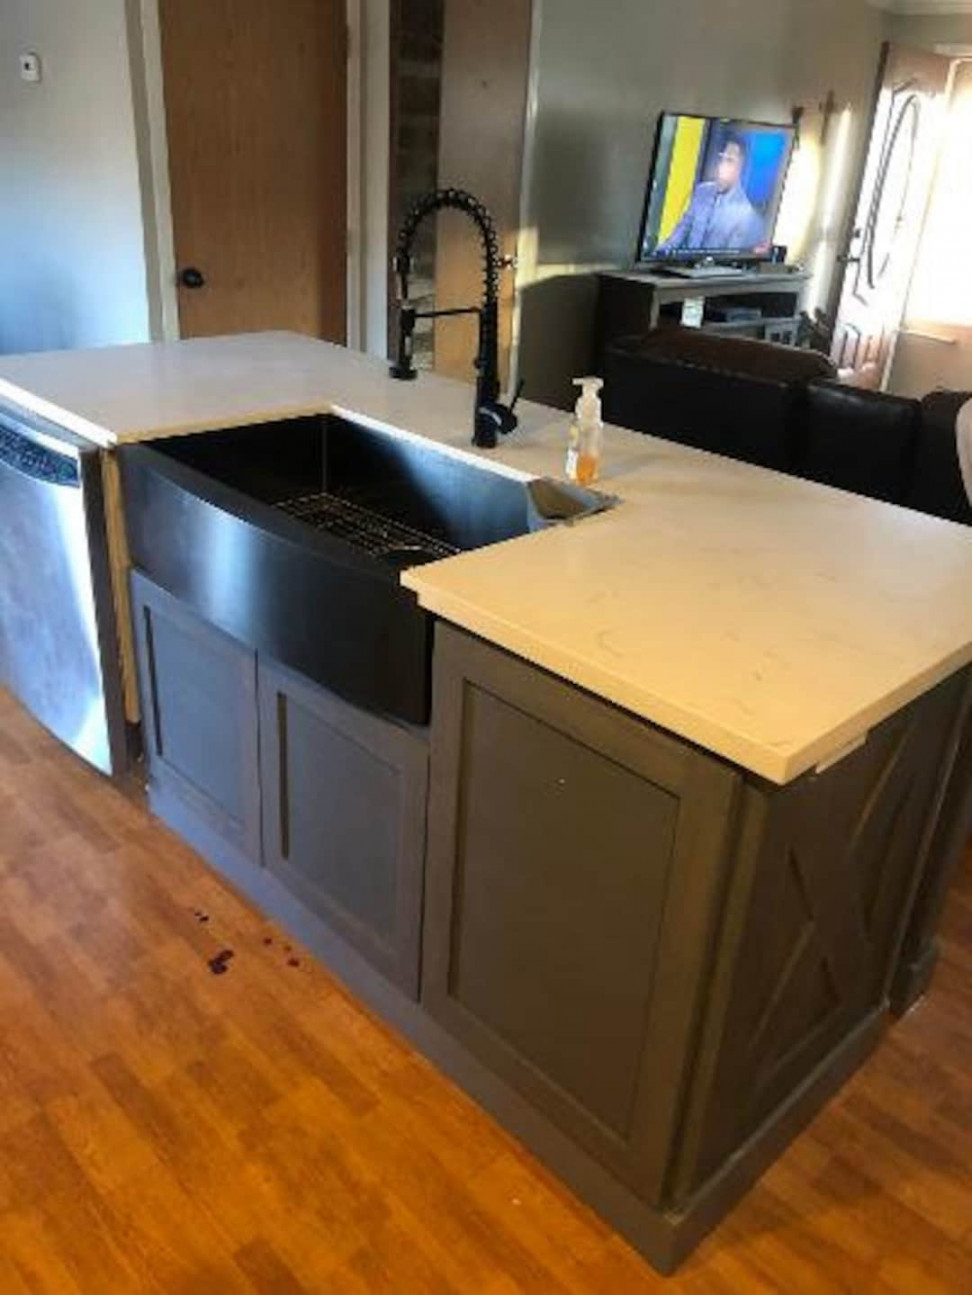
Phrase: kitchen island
(673, 842)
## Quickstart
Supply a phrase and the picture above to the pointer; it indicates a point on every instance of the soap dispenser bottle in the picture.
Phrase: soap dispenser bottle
(586, 433)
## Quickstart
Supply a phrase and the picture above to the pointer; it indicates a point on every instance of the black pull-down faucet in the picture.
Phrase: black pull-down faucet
(492, 417)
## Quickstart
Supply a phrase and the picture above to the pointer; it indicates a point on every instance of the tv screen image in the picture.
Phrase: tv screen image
(715, 188)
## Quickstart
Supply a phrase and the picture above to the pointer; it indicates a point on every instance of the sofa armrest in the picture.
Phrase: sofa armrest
(936, 484)
(857, 440)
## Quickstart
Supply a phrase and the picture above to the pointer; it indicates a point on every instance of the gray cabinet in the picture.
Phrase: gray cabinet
(651, 965)
(198, 689)
(576, 859)
(256, 766)
(953, 829)
(823, 888)
(344, 803)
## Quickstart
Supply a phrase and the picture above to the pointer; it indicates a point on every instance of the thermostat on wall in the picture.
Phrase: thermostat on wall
(30, 67)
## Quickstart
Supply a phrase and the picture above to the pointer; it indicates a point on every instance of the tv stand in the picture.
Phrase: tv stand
(701, 271)
(766, 303)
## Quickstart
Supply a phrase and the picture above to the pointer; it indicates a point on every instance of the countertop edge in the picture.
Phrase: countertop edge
(34, 404)
(315, 386)
(780, 766)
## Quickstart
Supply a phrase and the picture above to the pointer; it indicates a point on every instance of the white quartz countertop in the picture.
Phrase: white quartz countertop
(767, 619)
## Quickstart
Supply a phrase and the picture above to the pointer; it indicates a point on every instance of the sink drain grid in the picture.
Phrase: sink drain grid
(380, 536)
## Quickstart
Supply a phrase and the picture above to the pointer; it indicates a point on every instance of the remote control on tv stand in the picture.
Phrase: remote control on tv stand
(703, 271)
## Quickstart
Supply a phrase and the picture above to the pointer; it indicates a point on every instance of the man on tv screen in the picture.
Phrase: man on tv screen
(720, 217)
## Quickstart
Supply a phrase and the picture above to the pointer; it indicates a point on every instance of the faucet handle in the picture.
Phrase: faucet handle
(403, 368)
(488, 426)
(493, 419)
(402, 265)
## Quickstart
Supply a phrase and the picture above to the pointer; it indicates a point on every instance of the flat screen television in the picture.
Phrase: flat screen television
(715, 189)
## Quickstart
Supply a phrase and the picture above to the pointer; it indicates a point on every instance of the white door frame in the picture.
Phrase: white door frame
(527, 267)
(355, 196)
(364, 121)
(145, 63)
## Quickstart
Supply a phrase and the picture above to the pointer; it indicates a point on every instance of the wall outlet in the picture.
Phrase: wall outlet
(30, 67)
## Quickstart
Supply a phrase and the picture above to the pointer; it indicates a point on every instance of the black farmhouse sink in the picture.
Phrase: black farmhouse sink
(291, 537)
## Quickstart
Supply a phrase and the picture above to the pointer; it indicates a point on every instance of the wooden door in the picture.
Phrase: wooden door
(883, 243)
(485, 68)
(255, 96)
(934, 348)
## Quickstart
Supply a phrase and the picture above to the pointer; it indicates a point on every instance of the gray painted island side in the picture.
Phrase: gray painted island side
(649, 964)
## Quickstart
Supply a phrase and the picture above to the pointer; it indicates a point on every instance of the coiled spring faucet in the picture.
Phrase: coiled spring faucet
(492, 418)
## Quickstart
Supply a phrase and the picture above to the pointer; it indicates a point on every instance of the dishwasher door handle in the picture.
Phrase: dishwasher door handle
(37, 459)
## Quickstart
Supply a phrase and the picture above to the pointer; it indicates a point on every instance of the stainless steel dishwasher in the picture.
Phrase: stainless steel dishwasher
(58, 643)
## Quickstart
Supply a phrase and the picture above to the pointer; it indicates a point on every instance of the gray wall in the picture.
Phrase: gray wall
(72, 259)
(928, 30)
(602, 75)
(375, 145)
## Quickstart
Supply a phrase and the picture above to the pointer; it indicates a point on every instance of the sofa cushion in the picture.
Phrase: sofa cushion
(746, 356)
(858, 440)
(936, 482)
(728, 413)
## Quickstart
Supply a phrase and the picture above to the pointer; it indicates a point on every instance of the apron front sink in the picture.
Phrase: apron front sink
(291, 537)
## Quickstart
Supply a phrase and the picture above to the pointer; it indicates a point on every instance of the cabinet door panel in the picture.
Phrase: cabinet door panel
(575, 869)
(344, 817)
(563, 868)
(199, 707)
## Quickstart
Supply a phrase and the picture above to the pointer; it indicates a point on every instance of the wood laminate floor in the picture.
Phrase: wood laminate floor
(167, 1128)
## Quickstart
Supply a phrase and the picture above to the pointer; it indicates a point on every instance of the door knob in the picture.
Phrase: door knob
(190, 277)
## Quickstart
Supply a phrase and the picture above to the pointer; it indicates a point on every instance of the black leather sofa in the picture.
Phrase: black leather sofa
(781, 408)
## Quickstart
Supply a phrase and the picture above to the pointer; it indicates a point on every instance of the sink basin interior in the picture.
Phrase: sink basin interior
(290, 537)
(405, 502)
